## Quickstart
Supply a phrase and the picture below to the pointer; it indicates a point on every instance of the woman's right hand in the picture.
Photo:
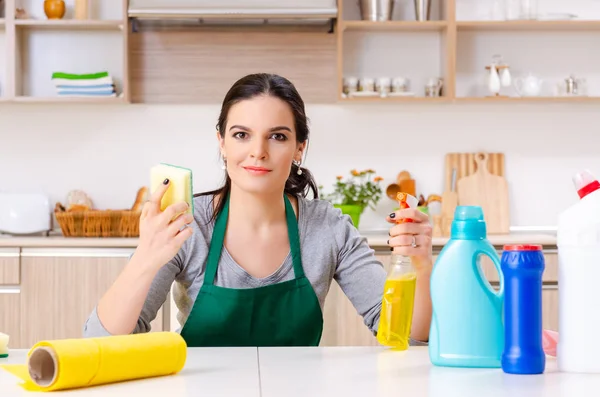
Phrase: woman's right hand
(161, 236)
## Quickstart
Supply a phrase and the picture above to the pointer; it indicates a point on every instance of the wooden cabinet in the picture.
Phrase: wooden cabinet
(550, 274)
(10, 315)
(550, 307)
(343, 326)
(10, 275)
(60, 287)
(10, 271)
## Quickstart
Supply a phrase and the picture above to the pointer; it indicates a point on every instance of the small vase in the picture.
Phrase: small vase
(354, 211)
(54, 9)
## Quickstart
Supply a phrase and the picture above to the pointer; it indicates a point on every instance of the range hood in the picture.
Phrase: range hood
(259, 11)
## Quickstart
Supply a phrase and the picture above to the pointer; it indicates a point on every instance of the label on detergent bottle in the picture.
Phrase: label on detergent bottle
(395, 319)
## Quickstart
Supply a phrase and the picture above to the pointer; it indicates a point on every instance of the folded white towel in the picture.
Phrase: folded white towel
(83, 83)
(85, 90)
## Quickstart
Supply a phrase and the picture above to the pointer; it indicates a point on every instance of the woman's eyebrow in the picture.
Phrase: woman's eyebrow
(241, 127)
(278, 128)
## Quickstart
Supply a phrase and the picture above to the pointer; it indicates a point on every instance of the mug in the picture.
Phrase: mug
(366, 84)
(400, 84)
(383, 85)
(350, 84)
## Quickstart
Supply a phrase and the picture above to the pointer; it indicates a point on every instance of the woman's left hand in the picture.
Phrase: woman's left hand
(412, 238)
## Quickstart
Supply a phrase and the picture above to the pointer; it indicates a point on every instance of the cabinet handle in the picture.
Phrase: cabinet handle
(9, 254)
(9, 289)
(550, 287)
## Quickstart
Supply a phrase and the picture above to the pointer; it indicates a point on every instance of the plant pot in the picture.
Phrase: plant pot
(354, 211)
(54, 9)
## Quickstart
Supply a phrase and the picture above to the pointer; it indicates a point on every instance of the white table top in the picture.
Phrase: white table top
(328, 371)
(376, 371)
(207, 372)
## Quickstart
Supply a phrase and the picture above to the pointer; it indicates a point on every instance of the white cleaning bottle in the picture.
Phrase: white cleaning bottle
(578, 242)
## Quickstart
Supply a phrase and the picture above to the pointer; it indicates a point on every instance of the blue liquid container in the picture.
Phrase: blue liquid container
(466, 327)
(523, 266)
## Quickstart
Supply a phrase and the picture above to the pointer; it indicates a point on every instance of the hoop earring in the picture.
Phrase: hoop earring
(224, 166)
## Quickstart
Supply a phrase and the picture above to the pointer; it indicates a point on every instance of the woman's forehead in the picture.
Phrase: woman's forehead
(261, 113)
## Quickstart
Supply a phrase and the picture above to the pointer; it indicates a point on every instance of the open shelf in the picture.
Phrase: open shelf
(398, 49)
(393, 25)
(456, 44)
(533, 25)
(59, 99)
(554, 99)
(42, 53)
(550, 56)
(64, 24)
(37, 47)
(406, 99)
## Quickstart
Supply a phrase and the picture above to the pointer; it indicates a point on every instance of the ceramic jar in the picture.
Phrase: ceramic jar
(54, 9)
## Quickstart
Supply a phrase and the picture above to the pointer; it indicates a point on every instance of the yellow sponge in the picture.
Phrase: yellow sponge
(181, 188)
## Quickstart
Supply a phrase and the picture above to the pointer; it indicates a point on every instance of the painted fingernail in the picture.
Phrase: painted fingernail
(388, 242)
(393, 215)
(166, 181)
(391, 248)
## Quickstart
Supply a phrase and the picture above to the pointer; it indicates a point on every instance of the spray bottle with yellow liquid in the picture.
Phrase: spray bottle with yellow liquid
(395, 320)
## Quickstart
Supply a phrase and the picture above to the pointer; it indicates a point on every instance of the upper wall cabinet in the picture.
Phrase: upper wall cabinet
(192, 51)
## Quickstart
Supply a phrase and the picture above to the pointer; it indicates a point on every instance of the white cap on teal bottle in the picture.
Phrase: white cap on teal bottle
(468, 223)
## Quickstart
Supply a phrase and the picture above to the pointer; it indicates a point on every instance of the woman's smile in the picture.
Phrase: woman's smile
(253, 170)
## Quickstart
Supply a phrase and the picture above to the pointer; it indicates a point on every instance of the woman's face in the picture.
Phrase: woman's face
(259, 143)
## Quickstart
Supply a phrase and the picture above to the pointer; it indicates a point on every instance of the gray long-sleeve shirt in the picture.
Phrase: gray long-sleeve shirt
(331, 248)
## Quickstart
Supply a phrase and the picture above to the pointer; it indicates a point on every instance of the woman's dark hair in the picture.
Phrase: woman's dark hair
(254, 85)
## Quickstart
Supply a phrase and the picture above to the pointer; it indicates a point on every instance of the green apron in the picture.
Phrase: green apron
(283, 314)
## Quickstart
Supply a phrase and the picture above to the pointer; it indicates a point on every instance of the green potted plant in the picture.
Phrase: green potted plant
(353, 195)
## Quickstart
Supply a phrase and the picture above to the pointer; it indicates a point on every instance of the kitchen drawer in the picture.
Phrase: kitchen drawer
(550, 273)
(10, 266)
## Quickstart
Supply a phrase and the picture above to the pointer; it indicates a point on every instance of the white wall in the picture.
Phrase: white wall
(108, 150)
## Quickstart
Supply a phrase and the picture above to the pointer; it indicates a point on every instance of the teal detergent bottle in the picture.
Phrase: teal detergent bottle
(466, 328)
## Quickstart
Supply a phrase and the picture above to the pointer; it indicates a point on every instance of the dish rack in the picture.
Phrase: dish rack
(80, 221)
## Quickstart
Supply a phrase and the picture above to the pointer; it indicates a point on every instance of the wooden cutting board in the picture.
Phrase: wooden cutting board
(465, 165)
(488, 191)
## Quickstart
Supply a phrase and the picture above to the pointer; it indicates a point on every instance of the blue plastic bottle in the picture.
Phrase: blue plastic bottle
(466, 328)
(523, 266)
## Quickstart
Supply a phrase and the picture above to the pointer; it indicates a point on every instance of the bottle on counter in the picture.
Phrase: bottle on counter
(466, 327)
(578, 241)
(395, 320)
(522, 267)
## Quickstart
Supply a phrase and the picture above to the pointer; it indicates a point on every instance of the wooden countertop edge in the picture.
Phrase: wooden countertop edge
(374, 240)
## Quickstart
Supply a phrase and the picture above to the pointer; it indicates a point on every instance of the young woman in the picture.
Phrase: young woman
(253, 265)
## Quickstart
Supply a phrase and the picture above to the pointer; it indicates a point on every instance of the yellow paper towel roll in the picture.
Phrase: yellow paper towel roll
(75, 363)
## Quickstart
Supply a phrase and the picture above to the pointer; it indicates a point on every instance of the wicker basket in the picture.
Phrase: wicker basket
(97, 223)
(100, 223)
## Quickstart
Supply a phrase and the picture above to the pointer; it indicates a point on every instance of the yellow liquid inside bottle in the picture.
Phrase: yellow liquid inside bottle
(397, 310)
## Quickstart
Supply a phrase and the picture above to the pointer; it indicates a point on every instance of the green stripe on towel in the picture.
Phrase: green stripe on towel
(71, 76)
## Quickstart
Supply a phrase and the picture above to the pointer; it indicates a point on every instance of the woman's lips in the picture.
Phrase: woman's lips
(257, 170)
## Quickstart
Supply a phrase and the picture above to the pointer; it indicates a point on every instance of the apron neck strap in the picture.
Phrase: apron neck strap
(218, 236)
(294, 237)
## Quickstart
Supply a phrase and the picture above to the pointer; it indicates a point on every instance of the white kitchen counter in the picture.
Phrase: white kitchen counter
(329, 371)
(208, 372)
(376, 371)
